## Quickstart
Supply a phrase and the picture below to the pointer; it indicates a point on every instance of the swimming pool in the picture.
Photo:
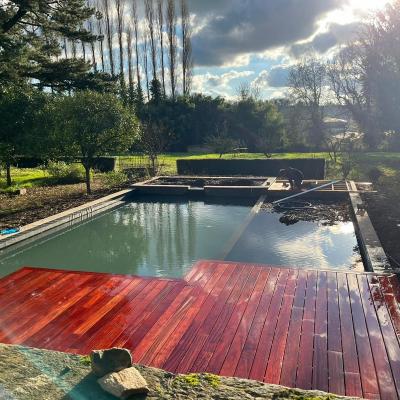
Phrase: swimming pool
(165, 236)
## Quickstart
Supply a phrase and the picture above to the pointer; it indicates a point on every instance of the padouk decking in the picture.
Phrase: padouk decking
(337, 332)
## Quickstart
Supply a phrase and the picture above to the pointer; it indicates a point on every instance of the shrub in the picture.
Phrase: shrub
(374, 175)
(114, 179)
(62, 172)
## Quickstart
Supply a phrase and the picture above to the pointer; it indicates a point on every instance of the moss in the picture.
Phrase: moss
(213, 380)
(85, 360)
(191, 379)
(294, 395)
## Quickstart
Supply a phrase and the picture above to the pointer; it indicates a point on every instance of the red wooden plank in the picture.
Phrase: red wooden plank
(306, 350)
(384, 374)
(260, 362)
(388, 331)
(38, 302)
(249, 350)
(277, 352)
(350, 355)
(226, 357)
(320, 362)
(15, 280)
(59, 325)
(211, 334)
(236, 348)
(153, 316)
(290, 361)
(120, 324)
(217, 360)
(156, 355)
(196, 337)
(335, 352)
(390, 289)
(369, 380)
(154, 303)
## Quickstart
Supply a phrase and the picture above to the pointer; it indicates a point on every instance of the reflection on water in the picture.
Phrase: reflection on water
(155, 238)
(305, 244)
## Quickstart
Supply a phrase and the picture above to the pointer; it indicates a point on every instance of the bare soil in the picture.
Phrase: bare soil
(42, 202)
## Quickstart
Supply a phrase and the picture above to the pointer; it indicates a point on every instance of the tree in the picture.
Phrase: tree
(160, 28)
(307, 81)
(120, 31)
(19, 107)
(109, 33)
(31, 33)
(149, 11)
(187, 61)
(172, 45)
(93, 124)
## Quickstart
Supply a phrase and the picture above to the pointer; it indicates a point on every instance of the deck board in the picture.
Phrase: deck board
(335, 331)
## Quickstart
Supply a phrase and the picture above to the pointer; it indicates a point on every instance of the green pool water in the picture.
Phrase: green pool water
(164, 237)
(148, 237)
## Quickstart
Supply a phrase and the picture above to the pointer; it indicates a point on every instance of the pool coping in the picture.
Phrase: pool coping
(70, 216)
(373, 254)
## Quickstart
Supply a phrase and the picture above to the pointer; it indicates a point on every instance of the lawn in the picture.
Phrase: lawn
(388, 163)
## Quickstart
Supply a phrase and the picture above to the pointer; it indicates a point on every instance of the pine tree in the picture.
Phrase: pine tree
(31, 33)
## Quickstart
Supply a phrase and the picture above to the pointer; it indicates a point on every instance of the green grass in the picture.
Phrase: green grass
(388, 163)
(24, 178)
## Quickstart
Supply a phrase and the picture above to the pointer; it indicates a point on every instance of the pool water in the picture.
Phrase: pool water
(165, 236)
(160, 237)
(304, 244)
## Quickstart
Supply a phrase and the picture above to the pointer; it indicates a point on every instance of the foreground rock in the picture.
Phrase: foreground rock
(30, 374)
(124, 384)
(111, 360)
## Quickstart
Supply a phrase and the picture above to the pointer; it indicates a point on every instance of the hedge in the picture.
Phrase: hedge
(102, 164)
(312, 168)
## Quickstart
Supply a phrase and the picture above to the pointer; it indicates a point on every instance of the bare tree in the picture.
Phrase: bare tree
(135, 19)
(149, 10)
(307, 81)
(160, 28)
(145, 60)
(120, 30)
(172, 45)
(109, 25)
(130, 59)
(187, 61)
(100, 32)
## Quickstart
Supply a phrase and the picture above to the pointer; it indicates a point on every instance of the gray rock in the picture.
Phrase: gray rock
(111, 360)
(124, 384)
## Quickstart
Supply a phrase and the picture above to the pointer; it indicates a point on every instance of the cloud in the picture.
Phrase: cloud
(274, 79)
(335, 35)
(216, 85)
(239, 27)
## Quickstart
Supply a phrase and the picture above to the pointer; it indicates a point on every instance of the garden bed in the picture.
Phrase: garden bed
(201, 182)
(43, 202)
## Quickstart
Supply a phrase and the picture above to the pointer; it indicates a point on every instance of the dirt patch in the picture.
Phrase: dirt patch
(201, 182)
(42, 202)
(326, 213)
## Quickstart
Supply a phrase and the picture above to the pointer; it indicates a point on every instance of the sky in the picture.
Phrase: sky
(257, 41)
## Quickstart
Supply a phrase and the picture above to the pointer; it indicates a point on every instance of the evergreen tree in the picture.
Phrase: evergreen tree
(31, 33)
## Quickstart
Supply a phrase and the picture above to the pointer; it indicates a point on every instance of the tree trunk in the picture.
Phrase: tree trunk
(8, 171)
(87, 174)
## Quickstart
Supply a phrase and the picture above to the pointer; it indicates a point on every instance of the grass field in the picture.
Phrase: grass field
(388, 163)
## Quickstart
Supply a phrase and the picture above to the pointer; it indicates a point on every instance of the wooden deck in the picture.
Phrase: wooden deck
(337, 332)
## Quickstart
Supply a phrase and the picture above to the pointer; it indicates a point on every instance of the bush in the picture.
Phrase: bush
(62, 172)
(114, 179)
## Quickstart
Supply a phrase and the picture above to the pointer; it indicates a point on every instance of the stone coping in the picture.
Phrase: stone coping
(75, 214)
(374, 257)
